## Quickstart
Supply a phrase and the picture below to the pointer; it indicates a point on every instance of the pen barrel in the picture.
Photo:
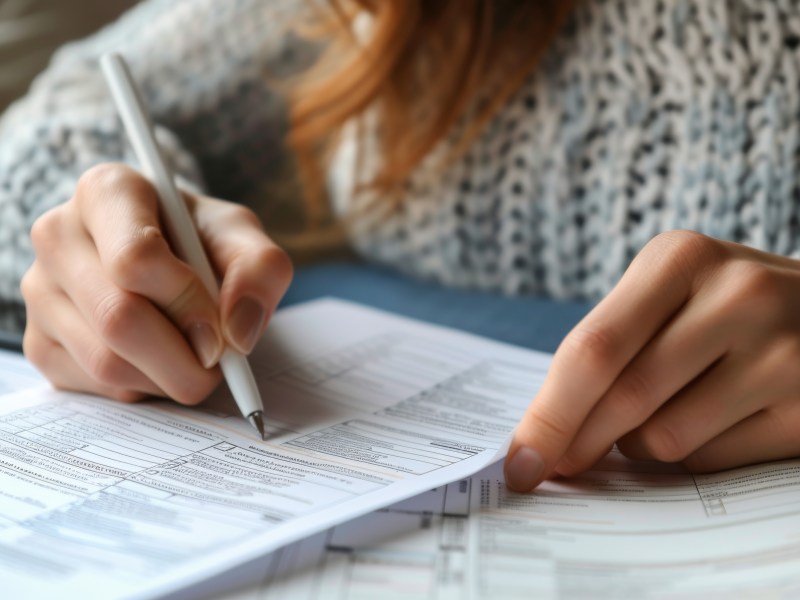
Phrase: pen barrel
(241, 381)
(177, 218)
(141, 134)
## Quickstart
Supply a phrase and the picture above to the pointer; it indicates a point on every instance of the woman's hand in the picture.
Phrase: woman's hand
(694, 357)
(111, 310)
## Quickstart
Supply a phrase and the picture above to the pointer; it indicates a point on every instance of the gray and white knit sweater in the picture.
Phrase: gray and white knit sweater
(646, 116)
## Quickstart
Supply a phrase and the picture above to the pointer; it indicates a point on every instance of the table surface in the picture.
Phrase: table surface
(534, 323)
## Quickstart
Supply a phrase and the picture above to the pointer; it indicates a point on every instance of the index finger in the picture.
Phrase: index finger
(120, 213)
(596, 351)
(255, 271)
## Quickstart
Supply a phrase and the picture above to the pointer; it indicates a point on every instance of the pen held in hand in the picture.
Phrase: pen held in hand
(178, 222)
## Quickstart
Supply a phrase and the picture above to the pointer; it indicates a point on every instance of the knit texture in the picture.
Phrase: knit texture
(645, 117)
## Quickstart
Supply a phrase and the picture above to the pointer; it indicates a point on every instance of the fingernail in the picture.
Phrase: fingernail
(206, 343)
(245, 324)
(524, 469)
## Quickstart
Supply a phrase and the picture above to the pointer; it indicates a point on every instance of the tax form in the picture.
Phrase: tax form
(625, 529)
(101, 499)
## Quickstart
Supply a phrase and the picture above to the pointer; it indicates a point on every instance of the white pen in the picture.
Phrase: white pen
(179, 224)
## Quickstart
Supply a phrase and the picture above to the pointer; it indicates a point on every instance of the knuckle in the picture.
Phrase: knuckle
(571, 464)
(184, 300)
(632, 399)
(135, 257)
(45, 232)
(683, 241)
(104, 366)
(38, 350)
(663, 443)
(102, 177)
(114, 315)
(30, 286)
(276, 261)
(103, 180)
(549, 424)
(265, 260)
(244, 214)
(758, 286)
(596, 348)
(685, 251)
(97, 178)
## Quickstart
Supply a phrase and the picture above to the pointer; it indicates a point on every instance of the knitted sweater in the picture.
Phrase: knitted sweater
(645, 116)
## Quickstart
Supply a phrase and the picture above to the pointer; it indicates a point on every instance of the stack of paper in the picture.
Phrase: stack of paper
(100, 499)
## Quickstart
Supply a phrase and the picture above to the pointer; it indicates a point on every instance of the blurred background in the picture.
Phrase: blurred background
(31, 30)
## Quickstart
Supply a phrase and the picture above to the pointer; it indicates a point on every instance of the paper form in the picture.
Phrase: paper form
(101, 499)
(626, 529)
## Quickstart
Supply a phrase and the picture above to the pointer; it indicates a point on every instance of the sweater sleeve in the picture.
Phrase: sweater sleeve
(205, 69)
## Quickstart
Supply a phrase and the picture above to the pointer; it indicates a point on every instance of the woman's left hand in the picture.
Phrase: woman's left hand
(694, 357)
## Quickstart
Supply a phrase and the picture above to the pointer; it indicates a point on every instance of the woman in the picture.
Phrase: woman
(528, 147)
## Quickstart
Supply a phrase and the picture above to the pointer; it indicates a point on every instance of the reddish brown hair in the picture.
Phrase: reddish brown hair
(421, 69)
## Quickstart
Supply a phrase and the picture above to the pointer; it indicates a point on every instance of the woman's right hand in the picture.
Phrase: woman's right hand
(112, 311)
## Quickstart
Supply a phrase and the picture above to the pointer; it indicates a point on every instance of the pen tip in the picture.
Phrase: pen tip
(257, 420)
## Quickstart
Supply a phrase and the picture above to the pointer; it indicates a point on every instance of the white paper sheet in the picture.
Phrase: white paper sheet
(17, 374)
(100, 499)
(626, 529)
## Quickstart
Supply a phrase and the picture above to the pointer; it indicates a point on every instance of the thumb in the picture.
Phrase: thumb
(255, 271)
